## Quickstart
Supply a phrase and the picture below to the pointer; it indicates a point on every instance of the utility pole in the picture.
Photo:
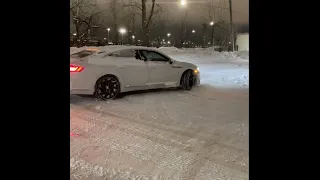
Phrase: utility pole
(231, 24)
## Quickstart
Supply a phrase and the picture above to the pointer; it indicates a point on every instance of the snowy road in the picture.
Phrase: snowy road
(165, 134)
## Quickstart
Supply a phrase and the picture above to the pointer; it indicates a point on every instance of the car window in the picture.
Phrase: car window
(127, 54)
(82, 54)
(153, 56)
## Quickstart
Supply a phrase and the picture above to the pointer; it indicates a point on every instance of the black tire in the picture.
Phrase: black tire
(107, 87)
(187, 80)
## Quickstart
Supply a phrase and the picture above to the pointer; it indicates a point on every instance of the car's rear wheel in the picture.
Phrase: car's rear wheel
(107, 87)
(187, 80)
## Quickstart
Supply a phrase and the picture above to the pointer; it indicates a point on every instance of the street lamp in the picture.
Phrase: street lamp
(183, 2)
(212, 32)
(122, 32)
(168, 37)
(74, 34)
(108, 29)
(133, 37)
(193, 31)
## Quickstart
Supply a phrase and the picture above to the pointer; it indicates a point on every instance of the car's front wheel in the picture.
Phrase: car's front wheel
(187, 80)
(107, 87)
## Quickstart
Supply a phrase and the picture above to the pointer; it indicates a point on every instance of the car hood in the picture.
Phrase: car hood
(184, 64)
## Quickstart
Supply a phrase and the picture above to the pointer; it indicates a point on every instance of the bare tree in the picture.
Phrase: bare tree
(147, 17)
(131, 17)
(114, 9)
(204, 32)
(183, 29)
(215, 11)
(84, 14)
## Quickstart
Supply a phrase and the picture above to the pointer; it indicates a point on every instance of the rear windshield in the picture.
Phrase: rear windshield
(82, 54)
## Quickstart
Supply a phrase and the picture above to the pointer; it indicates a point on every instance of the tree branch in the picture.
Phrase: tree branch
(151, 13)
(133, 5)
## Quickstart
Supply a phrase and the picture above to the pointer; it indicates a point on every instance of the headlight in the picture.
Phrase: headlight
(196, 71)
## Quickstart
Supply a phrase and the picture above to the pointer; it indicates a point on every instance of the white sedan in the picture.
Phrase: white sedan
(108, 71)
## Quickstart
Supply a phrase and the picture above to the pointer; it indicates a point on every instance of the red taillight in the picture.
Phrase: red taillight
(75, 68)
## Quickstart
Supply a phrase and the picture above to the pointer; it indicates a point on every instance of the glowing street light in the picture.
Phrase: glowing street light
(212, 33)
(183, 2)
(74, 34)
(108, 29)
(133, 37)
(193, 31)
(122, 32)
(168, 37)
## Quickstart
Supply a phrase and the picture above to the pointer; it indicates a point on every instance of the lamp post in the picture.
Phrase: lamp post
(212, 32)
(122, 32)
(168, 36)
(133, 39)
(108, 29)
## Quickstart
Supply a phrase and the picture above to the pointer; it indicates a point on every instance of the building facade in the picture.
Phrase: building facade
(242, 42)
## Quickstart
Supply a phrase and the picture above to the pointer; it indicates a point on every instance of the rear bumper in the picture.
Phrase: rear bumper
(74, 90)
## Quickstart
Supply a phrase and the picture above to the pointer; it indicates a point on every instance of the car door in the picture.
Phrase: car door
(160, 70)
(133, 70)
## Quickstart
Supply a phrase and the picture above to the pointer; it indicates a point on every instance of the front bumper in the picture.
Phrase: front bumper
(197, 79)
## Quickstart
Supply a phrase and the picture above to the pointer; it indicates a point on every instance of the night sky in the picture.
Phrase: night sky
(196, 9)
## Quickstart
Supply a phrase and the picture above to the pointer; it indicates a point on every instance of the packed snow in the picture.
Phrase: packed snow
(200, 134)
(217, 69)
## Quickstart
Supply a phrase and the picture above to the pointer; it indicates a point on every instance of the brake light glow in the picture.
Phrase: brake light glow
(75, 68)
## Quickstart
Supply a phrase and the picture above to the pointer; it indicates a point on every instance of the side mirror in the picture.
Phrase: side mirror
(170, 61)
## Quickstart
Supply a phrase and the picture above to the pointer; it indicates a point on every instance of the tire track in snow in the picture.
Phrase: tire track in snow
(191, 133)
(199, 154)
(210, 125)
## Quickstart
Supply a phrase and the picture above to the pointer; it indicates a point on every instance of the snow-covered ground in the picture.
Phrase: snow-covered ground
(223, 70)
(168, 134)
